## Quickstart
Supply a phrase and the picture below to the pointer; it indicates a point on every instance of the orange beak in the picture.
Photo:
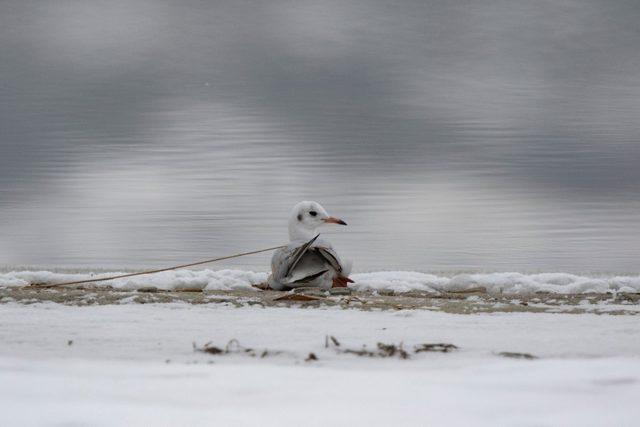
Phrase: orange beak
(334, 220)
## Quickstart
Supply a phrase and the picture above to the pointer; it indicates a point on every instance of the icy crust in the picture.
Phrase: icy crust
(397, 281)
(511, 283)
(168, 280)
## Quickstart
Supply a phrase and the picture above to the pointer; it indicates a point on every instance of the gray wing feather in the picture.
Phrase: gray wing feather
(300, 264)
(331, 257)
(297, 255)
(310, 277)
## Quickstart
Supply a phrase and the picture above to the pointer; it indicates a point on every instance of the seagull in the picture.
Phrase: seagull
(308, 260)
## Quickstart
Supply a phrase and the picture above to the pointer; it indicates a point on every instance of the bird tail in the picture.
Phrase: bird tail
(347, 265)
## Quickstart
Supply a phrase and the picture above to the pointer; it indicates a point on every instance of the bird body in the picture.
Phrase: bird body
(308, 260)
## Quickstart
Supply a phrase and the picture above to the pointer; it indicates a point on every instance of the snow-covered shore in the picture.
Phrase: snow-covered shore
(600, 392)
(134, 364)
(398, 281)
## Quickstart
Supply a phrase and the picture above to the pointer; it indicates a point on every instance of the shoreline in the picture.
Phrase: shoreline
(468, 302)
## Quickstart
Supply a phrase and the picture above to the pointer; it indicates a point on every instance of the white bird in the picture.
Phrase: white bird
(308, 260)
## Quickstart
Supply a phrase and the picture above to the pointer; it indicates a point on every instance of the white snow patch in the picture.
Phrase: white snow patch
(168, 280)
(399, 281)
(114, 372)
(516, 393)
(509, 283)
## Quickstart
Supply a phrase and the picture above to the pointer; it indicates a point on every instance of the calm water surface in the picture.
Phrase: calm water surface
(449, 135)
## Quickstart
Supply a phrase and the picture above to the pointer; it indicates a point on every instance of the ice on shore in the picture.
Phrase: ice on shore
(398, 281)
(509, 283)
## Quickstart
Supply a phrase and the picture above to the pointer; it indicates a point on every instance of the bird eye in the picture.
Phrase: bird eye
(313, 213)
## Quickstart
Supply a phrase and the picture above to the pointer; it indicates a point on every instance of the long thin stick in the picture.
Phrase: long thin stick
(78, 282)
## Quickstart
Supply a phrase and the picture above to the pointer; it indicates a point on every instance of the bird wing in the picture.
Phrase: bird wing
(297, 255)
(330, 256)
(301, 263)
(306, 276)
(309, 267)
(296, 263)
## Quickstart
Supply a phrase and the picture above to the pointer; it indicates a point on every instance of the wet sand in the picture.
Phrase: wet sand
(474, 301)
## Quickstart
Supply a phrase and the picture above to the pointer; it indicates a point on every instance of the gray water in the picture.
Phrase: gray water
(450, 135)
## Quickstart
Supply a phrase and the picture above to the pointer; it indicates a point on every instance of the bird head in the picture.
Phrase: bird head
(306, 217)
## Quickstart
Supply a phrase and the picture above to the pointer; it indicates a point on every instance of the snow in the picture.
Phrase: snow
(398, 281)
(178, 279)
(585, 393)
(511, 283)
(134, 365)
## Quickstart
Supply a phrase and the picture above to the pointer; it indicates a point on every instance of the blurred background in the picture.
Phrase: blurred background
(450, 135)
